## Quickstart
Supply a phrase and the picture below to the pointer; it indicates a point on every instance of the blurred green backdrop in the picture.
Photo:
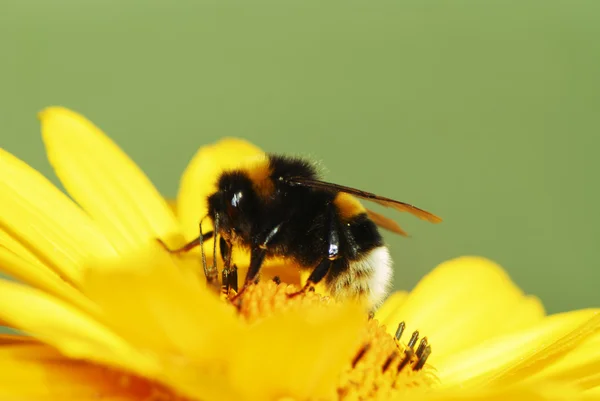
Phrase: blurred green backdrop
(484, 112)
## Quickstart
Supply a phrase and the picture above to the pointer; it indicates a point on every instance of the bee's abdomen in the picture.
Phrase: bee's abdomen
(362, 236)
(368, 276)
(365, 270)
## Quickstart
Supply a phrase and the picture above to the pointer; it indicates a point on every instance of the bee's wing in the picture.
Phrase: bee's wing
(400, 206)
(386, 223)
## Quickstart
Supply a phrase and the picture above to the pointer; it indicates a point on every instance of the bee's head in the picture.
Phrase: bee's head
(235, 204)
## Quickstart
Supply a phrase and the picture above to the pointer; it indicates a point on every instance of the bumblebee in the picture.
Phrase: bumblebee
(275, 206)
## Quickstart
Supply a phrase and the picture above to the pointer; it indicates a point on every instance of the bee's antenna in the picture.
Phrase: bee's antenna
(216, 231)
(201, 240)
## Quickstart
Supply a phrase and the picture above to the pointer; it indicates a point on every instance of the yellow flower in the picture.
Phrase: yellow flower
(108, 314)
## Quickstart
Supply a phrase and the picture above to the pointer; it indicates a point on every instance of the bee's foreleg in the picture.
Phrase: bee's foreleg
(257, 257)
(187, 247)
(229, 274)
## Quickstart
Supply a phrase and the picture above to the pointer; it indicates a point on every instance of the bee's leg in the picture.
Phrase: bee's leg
(332, 255)
(229, 274)
(315, 277)
(211, 273)
(257, 257)
(187, 247)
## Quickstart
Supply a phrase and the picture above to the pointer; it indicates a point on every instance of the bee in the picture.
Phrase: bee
(275, 206)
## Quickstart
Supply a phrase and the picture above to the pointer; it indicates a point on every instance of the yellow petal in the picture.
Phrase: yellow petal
(580, 366)
(45, 221)
(593, 393)
(548, 354)
(32, 372)
(531, 310)
(173, 312)
(539, 392)
(517, 356)
(105, 182)
(304, 370)
(173, 205)
(198, 338)
(69, 330)
(200, 177)
(12, 245)
(26, 376)
(42, 278)
(462, 302)
(7, 338)
(387, 311)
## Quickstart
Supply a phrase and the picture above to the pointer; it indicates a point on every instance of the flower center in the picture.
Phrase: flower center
(382, 365)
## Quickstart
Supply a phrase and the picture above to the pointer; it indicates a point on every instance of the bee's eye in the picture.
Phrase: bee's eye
(234, 204)
(236, 198)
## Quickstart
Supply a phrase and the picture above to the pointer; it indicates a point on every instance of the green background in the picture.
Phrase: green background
(484, 112)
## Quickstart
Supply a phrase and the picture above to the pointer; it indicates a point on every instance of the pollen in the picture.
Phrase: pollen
(382, 366)
(265, 298)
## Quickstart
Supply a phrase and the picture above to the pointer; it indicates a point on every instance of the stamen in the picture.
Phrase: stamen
(360, 354)
(371, 315)
(413, 339)
(422, 347)
(389, 361)
(408, 354)
(400, 330)
(277, 280)
(381, 364)
(387, 368)
(423, 358)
